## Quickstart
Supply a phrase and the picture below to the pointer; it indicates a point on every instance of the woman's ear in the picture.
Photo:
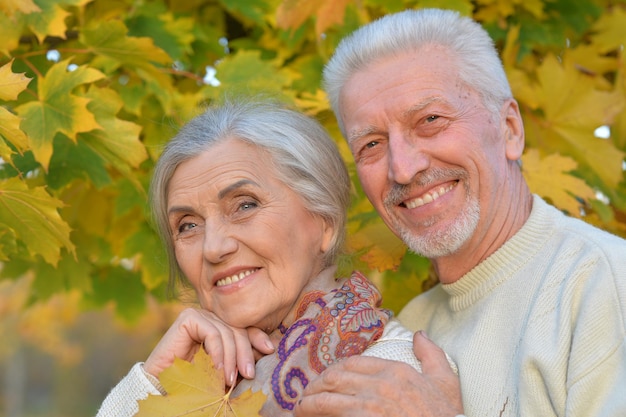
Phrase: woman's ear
(328, 236)
(513, 128)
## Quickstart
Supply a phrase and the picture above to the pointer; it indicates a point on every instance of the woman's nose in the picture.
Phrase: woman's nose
(406, 159)
(219, 244)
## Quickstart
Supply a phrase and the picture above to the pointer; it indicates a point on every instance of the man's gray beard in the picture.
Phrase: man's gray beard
(442, 242)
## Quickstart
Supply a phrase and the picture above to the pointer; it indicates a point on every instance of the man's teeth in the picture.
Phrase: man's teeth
(429, 197)
(234, 278)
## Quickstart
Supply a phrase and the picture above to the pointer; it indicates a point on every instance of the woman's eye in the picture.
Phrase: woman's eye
(247, 205)
(186, 226)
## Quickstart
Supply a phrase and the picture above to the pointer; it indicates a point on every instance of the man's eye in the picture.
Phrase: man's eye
(431, 118)
(371, 144)
(186, 226)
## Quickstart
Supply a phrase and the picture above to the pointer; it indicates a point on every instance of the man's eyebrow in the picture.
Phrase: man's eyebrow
(421, 106)
(234, 186)
(358, 134)
(368, 130)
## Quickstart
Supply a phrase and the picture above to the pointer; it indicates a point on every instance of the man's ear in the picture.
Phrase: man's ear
(513, 128)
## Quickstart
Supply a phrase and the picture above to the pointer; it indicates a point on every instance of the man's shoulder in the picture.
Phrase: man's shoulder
(574, 228)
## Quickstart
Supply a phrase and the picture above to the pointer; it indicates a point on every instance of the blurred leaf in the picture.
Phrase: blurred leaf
(10, 7)
(610, 31)
(248, 72)
(382, 249)
(32, 214)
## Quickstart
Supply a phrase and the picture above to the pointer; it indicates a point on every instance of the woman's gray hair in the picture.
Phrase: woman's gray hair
(303, 153)
(479, 64)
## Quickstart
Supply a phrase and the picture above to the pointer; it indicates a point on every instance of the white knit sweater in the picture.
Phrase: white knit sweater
(395, 344)
(538, 329)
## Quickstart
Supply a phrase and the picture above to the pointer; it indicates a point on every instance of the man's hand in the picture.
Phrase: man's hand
(230, 349)
(364, 386)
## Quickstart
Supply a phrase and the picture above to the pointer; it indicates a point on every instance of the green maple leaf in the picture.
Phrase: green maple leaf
(58, 110)
(117, 142)
(197, 389)
(248, 72)
(49, 20)
(109, 38)
(32, 215)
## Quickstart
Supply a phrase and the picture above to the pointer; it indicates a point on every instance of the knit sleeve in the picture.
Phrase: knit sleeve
(396, 344)
(122, 400)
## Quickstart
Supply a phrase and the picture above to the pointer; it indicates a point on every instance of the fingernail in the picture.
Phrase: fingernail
(269, 345)
(423, 333)
(231, 380)
(250, 370)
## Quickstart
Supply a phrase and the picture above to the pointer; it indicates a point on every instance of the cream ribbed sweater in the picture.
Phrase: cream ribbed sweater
(538, 329)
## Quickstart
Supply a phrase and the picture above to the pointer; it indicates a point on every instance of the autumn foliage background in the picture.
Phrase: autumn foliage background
(91, 90)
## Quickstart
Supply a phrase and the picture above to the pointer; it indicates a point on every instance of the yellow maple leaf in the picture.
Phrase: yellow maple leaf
(573, 109)
(11, 132)
(197, 389)
(11, 84)
(610, 30)
(549, 178)
(49, 21)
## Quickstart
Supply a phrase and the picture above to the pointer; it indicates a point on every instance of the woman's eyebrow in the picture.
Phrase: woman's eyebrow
(234, 186)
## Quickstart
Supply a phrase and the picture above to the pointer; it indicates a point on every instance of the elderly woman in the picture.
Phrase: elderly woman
(250, 199)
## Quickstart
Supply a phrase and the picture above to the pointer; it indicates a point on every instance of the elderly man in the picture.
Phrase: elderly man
(531, 303)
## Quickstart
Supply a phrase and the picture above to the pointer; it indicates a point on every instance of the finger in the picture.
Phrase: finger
(432, 357)
(245, 357)
(327, 404)
(353, 375)
(260, 341)
(219, 342)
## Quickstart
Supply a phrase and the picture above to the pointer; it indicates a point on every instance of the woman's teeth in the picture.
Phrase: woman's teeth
(429, 197)
(234, 278)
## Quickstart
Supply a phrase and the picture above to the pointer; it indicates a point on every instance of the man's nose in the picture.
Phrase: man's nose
(407, 158)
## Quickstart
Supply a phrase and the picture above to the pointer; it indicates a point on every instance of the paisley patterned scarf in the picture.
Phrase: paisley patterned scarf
(329, 326)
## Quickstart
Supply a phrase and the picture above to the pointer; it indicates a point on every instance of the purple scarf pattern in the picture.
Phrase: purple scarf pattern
(328, 327)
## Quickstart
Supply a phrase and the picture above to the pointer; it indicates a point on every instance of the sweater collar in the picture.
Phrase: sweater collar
(505, 261)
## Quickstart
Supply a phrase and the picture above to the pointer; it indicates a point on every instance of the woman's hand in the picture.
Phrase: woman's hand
(231, 349)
